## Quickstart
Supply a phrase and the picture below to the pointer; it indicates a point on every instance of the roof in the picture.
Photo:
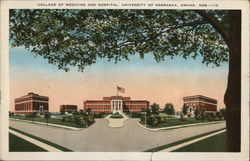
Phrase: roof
(199, 96)
(31, 94)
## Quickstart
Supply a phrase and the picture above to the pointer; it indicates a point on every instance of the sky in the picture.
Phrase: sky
(164, 82)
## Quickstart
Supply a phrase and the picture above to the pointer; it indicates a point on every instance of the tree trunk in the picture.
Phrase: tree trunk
(232, 98)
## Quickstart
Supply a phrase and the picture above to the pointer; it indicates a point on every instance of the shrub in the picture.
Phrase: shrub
(161, 119)
(72, 119)
(99, 115)
(80, 121)
(148, 111)
(182, 118)
(202, 115)
(66, 119)
(90, 120)
(217, 118)
(210, 117)
(189, 115)
(136, 115)
(116, 116)
(153, 121)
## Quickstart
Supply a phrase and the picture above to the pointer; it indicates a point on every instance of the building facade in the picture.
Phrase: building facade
(116, 104)
(68, 108)
(200, 103)
(31, 103)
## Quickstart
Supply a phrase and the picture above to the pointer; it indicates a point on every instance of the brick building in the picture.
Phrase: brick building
(68, 108)
(201, 103)
(31, 103)
(115, 104)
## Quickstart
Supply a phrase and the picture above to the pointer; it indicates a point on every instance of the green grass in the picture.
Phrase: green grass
(17, 144)
(177, 121)
(116, 116)
(159, 148)
(215, 143)
(42, 140)
(50, 121)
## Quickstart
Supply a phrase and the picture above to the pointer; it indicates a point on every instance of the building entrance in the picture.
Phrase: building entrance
(116, 106)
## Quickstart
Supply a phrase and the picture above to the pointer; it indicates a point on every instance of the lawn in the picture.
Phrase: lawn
(36, 138)
(215, 143)
(221, 143)
(51, 121)
(116, 116)
(177, 121)
(17, 144)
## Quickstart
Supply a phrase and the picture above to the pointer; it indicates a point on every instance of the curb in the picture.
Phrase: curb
(53, 125)
(178, 126)
(108, 119)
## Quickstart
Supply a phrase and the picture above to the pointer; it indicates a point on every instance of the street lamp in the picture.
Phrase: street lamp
(86, 113)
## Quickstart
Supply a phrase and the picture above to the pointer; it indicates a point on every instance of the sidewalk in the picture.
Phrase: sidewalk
(116, 122)
(178, 126)
(43, 123)
(36, 142)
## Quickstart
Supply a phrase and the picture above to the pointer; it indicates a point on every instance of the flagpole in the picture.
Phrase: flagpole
(116, 91)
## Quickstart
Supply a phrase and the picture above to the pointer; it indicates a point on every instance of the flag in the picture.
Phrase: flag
(120, 89)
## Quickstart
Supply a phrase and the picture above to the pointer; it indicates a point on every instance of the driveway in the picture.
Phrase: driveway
(100, 137)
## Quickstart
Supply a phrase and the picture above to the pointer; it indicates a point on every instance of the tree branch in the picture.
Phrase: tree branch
(217, 26)
(192, 24)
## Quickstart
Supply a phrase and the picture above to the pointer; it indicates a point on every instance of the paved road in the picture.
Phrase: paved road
(101, 137)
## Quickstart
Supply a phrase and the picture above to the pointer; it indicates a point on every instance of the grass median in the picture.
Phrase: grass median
(159, 148)
(215, 143)
(176, 122)
(40, 139)
(55, 121)
(17, 144)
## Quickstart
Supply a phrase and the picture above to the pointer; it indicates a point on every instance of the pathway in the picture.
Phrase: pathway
(101, 137)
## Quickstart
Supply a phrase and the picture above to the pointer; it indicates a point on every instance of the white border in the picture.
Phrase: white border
(5, 155)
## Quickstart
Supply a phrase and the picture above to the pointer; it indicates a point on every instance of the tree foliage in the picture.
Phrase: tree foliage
(184, 109)
(79, 37)
(169, 109)
(155, 108)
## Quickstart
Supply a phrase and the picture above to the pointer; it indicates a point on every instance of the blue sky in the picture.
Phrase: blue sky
(22, 60)
(166, 81)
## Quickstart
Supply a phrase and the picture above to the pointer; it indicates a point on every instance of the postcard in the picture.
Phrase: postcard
(124, 80)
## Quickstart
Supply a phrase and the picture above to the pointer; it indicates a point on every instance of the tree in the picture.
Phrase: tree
(169, 109)
(155, 108)
(88, 111)
(78, 37)
(197, 114)
(223, 112)
(47, 115)
(184, 109)
(11, 113)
